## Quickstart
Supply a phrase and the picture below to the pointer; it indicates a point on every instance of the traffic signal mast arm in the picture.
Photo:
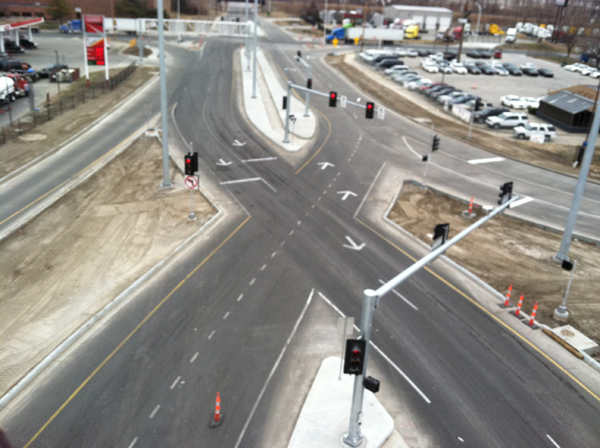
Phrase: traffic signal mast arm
(326, 95)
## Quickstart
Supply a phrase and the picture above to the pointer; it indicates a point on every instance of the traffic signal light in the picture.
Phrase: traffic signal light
(440, 235)
(309, 83)
(355, 356)
(299, 54)
(505, 192)
(284, 105)
(370, 109)
(191, 163)
(332, 99)
(436, 143)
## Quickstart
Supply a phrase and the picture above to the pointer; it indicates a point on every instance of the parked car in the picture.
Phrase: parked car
(497, 53)
(450, 96)
(450, 55)
(424, 89)
(485, 68)
(475, 54)
(485, 54)
(507, 120)
(28, 44)
(414, 85)
(400, 51)
(594, 75)
(11, 47)
(576, 67)
(458, 67)
(412, 53)
(532, 129)
(588, 71)
(529, 71)
(512, 69)
(528, 65)
(50, 70)
(481, 115)
(396, 69)
(7, 65)
(430, 67)
(444, 91)
(500, 70)
(424, 53)
(380, 57)
(388, 63)
(463, 99)
(444, 67)
(513, 101)
(400, 79)
(531, 102)
(472, 68)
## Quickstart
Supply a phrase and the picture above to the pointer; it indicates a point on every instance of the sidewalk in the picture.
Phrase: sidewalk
(265, 111)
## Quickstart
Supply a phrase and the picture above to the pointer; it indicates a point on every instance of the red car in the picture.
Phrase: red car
(498, 54)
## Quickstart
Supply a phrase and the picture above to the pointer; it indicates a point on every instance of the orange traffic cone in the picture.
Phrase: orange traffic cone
(517, 312)
(507, 300)
(218, 417)
(532, 319)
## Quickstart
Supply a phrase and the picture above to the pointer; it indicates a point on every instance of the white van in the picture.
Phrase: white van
(535, 129)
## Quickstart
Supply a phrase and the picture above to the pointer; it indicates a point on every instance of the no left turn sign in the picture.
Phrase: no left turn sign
(191, 182)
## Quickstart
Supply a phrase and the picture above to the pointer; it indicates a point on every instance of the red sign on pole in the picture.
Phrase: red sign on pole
(95, 53)
(94, 24)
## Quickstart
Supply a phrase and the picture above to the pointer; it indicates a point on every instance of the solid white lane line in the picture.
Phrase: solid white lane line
(225, 317)
(401, 296)
(240, 297)
(133, 443)
(241, 181)
(263, 267)
(155, 411)
(291, 233)
(252, 281)
(488, 160)
(552, 440)
(260, 395)
(211, 335)
(194, 357)
(273, 254)
(410, 147)
(408, 380)
(525, 200)
(263, 159)
(175, 382)
(369, 190)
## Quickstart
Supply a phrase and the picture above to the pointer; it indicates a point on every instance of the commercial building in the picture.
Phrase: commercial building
(426, 17)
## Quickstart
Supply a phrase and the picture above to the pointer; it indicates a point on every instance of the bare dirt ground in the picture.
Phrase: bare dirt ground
(16, 153)
(77, 256)
(553, 156)
(505, 251)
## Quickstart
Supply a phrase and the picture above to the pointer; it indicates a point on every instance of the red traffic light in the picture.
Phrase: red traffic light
(369, 106)
(332, 99)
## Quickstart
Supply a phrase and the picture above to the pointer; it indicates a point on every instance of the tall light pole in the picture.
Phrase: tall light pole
(246, 46)
(255, 49)
(166, 183)
(478, 21)
(325, 24)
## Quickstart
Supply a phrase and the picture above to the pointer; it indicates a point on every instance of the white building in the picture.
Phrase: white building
(426, 17)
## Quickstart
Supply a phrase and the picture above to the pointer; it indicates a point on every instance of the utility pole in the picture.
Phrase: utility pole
(325, 24)
(255, 48)
(166, 183)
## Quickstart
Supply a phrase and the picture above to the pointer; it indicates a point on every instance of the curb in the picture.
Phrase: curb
(77, 135)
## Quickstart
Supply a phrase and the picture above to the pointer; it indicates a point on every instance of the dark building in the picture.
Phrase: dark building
(571, 109)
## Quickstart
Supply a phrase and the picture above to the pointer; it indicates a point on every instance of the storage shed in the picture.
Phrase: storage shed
(570, 109)
(426, 17)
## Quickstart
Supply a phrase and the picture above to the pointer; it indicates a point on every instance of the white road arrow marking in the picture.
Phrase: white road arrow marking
(346, 194)
(238, 143)
(324, 165)
(353, 245)
(222, 162)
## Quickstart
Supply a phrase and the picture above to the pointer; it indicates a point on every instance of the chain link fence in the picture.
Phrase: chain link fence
(67, 100)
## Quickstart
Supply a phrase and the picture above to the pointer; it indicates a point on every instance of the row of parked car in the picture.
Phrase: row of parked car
(584, 69)
(493, 117)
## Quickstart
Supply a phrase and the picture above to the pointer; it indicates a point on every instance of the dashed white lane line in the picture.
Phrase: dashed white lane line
(252, 281)
(291, 233)
(263, 267)
(299, 222)
(240, 297)
(175, 382)
(225, 317)
(329, 186)
(306, 214)
(338, 174)
(155, 411)
(325, 192)
(211, 335)
(194, 357)
(319, 198)
(401, 296)
(349, 159)
(461, 439)
(133, 443)
(313, 206)
(282, 243)
(552, 440)
(273, 254)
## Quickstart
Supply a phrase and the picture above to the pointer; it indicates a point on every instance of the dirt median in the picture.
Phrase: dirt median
(20, 151)
(77, 256)
(505, 251)
(552, 156)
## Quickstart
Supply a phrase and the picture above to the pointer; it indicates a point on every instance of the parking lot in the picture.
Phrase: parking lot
(69, 49)
(492, 87)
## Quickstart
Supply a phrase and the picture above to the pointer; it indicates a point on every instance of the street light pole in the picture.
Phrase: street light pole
(255, 49)
(246, 49)
(562, 312)
(163, 96)
(478, 21)
(325, 25)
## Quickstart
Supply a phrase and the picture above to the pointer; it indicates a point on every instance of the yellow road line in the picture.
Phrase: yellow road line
(69, 179)
(493, 316)
(88, 379)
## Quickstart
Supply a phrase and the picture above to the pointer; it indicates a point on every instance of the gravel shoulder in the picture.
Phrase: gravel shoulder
(505, 251)
(76, 257)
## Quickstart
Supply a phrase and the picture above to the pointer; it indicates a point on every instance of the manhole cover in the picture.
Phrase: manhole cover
(32, 137)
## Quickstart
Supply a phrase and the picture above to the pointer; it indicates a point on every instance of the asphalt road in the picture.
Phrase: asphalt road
(139, 380)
